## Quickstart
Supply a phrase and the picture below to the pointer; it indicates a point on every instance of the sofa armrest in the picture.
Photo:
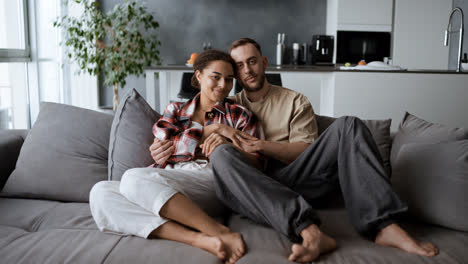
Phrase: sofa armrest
(10, 146)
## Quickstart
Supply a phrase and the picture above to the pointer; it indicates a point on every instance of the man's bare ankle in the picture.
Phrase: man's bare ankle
(310, 232)
(222, 229)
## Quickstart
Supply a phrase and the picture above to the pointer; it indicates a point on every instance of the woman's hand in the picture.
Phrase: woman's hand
(211, 143)
(161, 150)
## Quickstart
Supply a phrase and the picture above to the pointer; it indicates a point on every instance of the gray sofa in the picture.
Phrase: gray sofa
(61, 230)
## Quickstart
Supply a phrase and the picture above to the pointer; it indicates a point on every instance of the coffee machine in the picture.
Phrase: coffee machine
(321, 49)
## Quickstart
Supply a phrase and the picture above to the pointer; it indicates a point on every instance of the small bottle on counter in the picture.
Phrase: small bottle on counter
(304, 53)
(280, 49)
(295, 56)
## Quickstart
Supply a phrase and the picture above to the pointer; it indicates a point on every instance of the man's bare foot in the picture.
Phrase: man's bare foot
(314, 243)
(234, 245)
(394, 236)
(214, 245)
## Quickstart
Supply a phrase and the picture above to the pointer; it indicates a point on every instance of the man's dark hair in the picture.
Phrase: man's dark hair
(244, 41)
(205, 58)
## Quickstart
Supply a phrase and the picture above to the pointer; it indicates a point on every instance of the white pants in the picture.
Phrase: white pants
(131, 207)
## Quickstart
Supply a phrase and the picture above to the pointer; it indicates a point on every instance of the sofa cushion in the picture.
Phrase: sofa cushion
(40, 231)
(264, 245)
(57, 246)
(63, 156)
(65, 233)
(380, 130)
(413, 129)
(131, 135)
(433, 179)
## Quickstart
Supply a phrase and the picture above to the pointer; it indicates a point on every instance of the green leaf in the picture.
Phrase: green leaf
(117, 44)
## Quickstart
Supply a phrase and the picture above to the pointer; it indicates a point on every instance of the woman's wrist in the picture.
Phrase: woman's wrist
(222, 129)
(219, 128)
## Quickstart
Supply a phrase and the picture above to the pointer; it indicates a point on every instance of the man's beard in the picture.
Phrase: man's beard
(255, 88)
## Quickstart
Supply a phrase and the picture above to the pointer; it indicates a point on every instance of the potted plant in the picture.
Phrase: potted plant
(118, 43)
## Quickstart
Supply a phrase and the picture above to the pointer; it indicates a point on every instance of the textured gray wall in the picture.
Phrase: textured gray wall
(186, 24)
(453, 52)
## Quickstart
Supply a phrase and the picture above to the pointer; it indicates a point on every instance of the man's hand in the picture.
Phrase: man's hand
(161, 150)
(250, 145)
(240, 139)
(211, 143)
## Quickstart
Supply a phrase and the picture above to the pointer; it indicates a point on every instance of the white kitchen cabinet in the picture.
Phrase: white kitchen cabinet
(418, 35)
(365, 15)
(359, 15)
(439, 98)
(306, 83)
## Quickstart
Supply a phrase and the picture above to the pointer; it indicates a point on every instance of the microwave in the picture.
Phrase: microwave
(353, 46)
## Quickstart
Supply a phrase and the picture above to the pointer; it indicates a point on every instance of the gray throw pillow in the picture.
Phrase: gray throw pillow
(433, 179)
(131, 135)
(380, 130)
(63, 156)
(413, 129)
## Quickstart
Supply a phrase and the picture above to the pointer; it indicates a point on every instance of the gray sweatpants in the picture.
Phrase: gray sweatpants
(344, 157)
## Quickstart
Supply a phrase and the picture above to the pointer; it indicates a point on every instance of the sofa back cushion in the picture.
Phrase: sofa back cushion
(430, 171)
(413, 129)
(433, 179)
(131, 135)
(63, 156)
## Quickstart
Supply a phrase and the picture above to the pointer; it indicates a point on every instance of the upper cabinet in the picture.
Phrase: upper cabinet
(359, 15)
(365, 15)
(418, 37)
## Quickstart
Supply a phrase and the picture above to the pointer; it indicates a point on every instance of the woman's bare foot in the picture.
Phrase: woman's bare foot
(214, 245)
(314, 244)
(394, 236)
(234, 245)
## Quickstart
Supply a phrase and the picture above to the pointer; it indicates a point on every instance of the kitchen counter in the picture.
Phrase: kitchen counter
(309, 68)
(436, 95)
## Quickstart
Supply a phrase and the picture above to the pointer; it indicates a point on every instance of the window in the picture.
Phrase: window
(14, 44)
(32, 66)
(14, 53)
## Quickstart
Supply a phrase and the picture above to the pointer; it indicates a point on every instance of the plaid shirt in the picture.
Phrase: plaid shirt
(176, 125)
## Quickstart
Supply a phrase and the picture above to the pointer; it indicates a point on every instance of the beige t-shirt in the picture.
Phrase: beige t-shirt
(286, 115)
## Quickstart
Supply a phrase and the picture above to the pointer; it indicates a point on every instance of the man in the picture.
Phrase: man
(345, 156)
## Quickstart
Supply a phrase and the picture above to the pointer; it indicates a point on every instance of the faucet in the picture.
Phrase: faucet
(447, 36)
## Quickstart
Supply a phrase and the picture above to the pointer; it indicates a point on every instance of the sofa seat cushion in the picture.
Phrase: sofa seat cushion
(9, 234)
(267, 246)
(92, 246)
(35, 231)
(42, 215)
(159, 251)
(264, 245)
(41, 231)
(58, 246)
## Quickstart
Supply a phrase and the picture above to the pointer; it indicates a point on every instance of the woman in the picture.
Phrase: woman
(164, 200)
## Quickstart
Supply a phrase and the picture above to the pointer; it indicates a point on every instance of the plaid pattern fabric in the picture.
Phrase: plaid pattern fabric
(175, 124)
